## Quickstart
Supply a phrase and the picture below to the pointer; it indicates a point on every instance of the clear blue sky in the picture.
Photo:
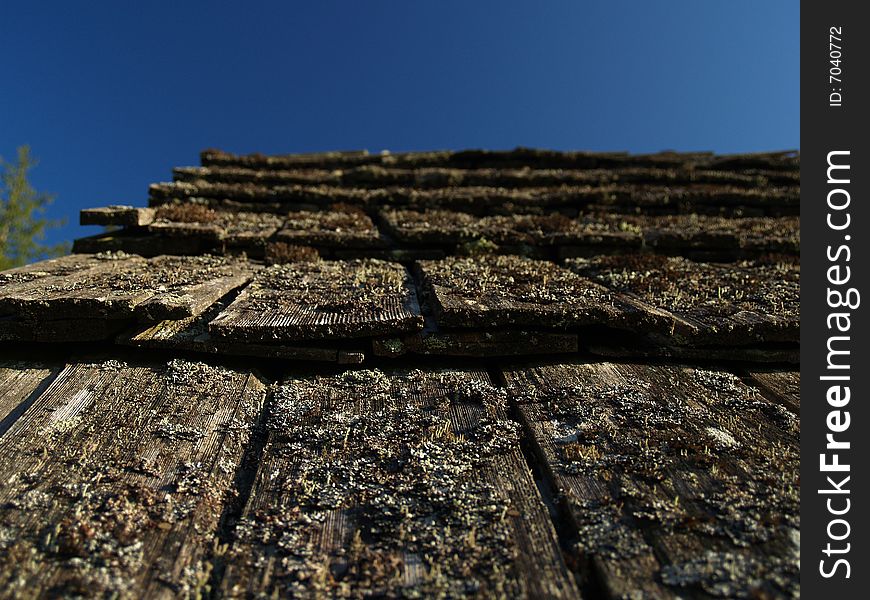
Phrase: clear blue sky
(112, 95)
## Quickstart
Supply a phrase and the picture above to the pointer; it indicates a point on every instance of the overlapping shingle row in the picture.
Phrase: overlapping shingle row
(475, 253)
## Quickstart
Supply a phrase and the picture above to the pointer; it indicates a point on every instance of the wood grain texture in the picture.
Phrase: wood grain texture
(711, 304)
(122, 215)
(787, 161)
(142, 243)
(120, 286)
(20, 383)
(494, 291)
(115, 479)
(680, 482)
(782, 386)
(192, 334)
(340, 227)
(407, 484)
(322, 300)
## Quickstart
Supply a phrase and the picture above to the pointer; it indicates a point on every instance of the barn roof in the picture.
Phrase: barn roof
(522, 373)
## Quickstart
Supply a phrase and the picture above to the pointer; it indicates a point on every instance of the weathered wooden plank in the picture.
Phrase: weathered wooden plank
(44, 273)
(147, 244)
(121, 286)
(681, 482)
(20, 383)
(746, 235)
(186, 286)
(711, 199)
(495, 291)
(116, 478)
(322, 300)
(191, 334)
(521, 158)
(122, 215)
(779, 385)
(449, 227)
(485, 199)
(196, 219)
(342, 226)
(406, 484)
(715, 304)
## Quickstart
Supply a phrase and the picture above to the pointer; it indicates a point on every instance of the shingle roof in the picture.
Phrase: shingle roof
(643, 431)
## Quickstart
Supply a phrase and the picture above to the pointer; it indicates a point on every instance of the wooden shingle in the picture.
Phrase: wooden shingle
(717, 304)
(394, 484)
(117, 477)
(494, 291)
(322, 300)
(679, 481)
(119, 286)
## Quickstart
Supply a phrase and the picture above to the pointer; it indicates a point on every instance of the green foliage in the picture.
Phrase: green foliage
(22, 224)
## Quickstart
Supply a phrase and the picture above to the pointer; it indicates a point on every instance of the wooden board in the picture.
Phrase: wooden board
(117, 477)
(121, 215)
(44, 272)
(712, 304)
(198, 220)
(121, 286)
(727, 200)
(494, 291)
(342, 227)
(144, 244)
(598, 192)
(396, 485)
(192, 335)
(519, 157)
(782, 386)
(322, 300)
(21, 382)
(740, 236)
(450, 227)
(680, 482)
(671, 167)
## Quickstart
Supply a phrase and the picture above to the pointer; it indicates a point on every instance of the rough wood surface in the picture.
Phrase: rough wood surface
(367, 176)
(494, 291)
(147, 244)
(46, 272)
(341, 226)
(781, 386)
(404, 484)
(746, 235)
(719, 304)
(519, 157)
(192, 334)
(196, 219)
(322, 300)
(488, 198)
(119, 286)
(123, 215)
(433, 173)
(681, 482)
(20, 383)
(448, 227)
(116, 478)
